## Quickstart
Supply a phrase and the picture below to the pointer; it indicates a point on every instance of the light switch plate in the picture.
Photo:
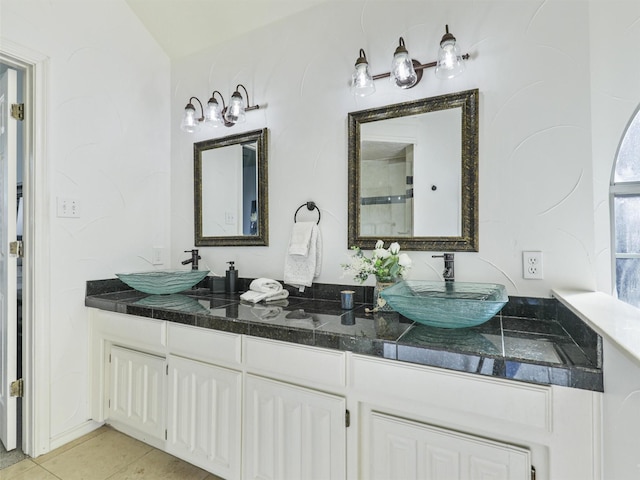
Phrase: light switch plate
(68, 207)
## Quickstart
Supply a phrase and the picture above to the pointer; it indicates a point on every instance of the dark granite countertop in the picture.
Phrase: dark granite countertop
(531, 340)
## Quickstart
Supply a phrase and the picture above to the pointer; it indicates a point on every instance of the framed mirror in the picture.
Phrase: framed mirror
(230, 190)
(413, 174)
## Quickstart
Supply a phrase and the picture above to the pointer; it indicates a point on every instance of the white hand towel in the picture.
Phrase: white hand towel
(264, 289)
(255, 297)
(299, 270)
(265, 285)
(300, 240)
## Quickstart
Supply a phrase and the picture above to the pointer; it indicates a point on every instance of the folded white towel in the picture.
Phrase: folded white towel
(264, 289)
(299, 270)
(273, 297)
(265, 285)
(255, 297)
(300, 240)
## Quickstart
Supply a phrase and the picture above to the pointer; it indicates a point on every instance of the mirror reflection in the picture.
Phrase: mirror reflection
(413, 174)
(230, 178)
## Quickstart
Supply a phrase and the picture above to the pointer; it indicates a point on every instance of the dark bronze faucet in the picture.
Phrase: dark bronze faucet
(448, 273)
(193, 260)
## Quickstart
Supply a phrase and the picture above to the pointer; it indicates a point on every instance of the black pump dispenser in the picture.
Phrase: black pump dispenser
(231, 279)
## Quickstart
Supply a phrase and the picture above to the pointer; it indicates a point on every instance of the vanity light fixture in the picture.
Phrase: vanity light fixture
(213, 115)
(407, 72)
(361, 80)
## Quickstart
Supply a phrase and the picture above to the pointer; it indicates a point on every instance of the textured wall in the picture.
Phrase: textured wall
(531, 65)
(615, 96)
(107, 146)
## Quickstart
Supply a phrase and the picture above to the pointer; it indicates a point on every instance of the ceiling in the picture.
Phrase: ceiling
(183, 27)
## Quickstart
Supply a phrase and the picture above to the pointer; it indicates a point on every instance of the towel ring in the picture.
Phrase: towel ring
(310, 206)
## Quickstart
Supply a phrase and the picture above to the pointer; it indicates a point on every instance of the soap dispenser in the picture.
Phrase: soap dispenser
(231, 279)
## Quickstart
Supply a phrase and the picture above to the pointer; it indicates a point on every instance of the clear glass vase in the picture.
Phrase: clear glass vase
(380, 303)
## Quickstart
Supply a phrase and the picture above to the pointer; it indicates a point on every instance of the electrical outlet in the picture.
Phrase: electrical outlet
(68, 207)
(532, 265)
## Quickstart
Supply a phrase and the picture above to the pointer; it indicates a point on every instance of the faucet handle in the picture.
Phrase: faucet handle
(446, 256)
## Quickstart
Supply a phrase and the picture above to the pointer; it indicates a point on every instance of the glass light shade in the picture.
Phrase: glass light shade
(450, 63)
(362, 81)
(213, 114)
(235, 111)
(403, 74)
(190, 123)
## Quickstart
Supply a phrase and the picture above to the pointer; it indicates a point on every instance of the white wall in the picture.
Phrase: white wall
(615, 96)
(531, 65)
(108, 147)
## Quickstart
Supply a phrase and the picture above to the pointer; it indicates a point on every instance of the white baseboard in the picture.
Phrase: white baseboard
(75, 433)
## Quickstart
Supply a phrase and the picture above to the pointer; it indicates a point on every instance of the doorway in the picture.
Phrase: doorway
(12, 277)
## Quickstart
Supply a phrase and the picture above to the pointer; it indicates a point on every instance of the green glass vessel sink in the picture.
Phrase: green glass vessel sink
(163, 282)
(446, 304)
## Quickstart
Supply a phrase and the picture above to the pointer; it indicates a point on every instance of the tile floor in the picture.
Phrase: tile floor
(105, 454)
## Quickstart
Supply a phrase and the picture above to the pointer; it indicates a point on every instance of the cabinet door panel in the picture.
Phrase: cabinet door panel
(137, 391)
(204, 415)
(292, 432)
(404, 450)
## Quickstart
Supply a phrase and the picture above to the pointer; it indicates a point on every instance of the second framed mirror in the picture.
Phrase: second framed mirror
(413, 174)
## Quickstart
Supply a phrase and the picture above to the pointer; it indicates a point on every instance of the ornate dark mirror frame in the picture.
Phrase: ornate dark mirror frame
(468, 241)
(262, 236)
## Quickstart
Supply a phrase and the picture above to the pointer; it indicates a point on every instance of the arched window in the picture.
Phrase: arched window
(625, 214)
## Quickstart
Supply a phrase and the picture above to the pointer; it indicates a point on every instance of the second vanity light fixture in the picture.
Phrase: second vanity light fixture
(406, 72)
(213, 115)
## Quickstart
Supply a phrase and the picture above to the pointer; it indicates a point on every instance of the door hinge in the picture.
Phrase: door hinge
(165, 434)
(347, 418)
(16, 248)
(533, 472)
(167, 369)
(17, 111)
(16, 389)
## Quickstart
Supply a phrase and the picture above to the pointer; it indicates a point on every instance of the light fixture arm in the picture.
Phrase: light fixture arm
(190, 105)
(417, 66)
(249, 106)
(213, 96)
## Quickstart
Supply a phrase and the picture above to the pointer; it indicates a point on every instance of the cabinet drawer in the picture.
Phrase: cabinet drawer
(136, 332)
(453, 395)
(210, 346)
(304, 365)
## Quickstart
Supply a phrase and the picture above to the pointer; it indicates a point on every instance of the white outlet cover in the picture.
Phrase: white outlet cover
(532, 265)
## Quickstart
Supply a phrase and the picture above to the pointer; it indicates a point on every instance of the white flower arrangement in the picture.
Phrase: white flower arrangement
(387, 264)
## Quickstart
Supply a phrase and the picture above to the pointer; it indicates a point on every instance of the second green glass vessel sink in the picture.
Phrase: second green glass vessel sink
(446, 304)
(163, 282)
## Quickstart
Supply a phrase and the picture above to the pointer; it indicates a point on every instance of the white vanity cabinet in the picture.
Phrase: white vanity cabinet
(294, 412)
(252, 408)
(204, 406)
(129, 374)
(176, 387)
(404, 449)
(292, 432)
(431, 423)
(137, 392)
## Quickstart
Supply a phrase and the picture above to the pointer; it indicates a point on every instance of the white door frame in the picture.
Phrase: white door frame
(36, 423)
